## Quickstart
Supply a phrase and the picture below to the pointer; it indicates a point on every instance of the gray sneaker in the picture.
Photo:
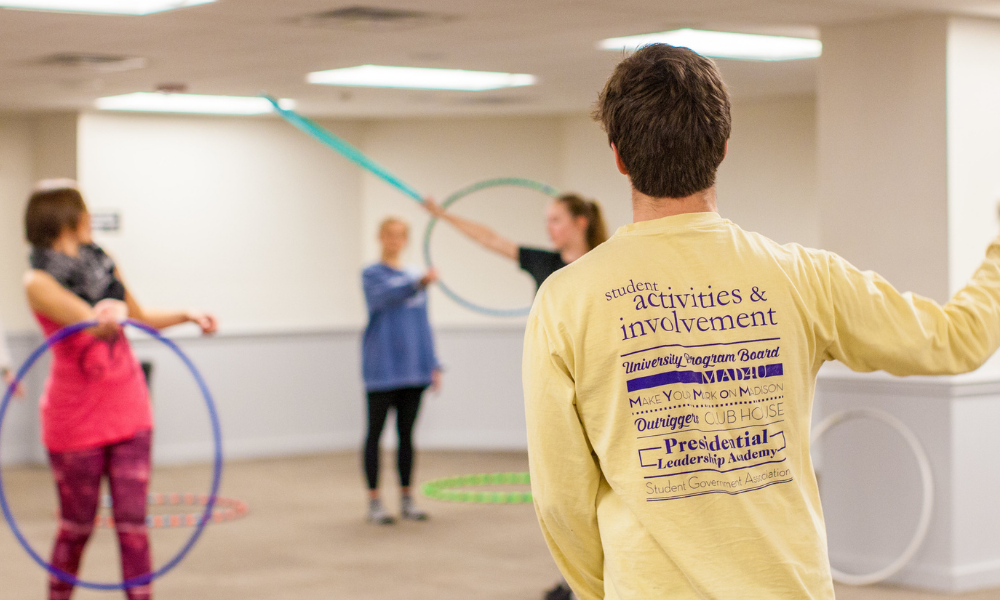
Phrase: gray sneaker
(377, 514)
(410, 512)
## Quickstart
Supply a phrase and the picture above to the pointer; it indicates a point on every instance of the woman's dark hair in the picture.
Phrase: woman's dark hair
(50, 212)
(597, 231)
(667, 111)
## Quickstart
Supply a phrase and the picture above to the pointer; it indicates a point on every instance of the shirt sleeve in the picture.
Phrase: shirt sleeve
(874, 327)
(539, 263)
(565, 474)
(383, 292)
(524, 256)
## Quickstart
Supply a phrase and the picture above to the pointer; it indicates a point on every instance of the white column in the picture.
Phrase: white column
(909, 179)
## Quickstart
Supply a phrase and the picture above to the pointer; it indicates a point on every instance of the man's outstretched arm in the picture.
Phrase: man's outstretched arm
(874, 327)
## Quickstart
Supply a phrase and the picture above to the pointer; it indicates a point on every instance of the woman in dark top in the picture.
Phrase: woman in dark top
(575, 227)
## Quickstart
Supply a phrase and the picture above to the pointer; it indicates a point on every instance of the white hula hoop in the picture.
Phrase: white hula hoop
(923, 525)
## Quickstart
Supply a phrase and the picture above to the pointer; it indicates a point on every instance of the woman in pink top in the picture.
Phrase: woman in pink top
(95, 410)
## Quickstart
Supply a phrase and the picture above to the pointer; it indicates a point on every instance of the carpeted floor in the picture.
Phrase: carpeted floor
(305, 538)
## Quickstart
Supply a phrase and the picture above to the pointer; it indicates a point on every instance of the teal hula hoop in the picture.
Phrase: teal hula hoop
(482, 185)
(354, 155)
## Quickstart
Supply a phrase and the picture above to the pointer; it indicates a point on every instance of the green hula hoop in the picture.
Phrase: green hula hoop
(546, 189)
(443, 489)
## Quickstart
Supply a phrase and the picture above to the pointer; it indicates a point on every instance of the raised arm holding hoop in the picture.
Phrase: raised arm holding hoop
(575, 226)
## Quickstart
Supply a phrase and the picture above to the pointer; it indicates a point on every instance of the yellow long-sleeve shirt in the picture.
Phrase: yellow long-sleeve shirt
(669, 378)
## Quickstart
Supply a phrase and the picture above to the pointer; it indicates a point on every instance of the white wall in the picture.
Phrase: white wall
(269, 228)
(767, 183)
(588, 166)
(882, 150)
(32, 147)
(16, 175)
(973, 83)
(908, 186)
(54, 143)
(245, 217)
(254, 220)
(440, 157)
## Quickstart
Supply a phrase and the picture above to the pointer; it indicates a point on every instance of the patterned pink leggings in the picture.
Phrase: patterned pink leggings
(78, 479)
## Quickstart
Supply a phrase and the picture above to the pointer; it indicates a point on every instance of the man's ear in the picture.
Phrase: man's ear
(618, 161)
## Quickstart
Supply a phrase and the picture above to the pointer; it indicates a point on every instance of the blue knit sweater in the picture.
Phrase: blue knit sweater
(398, 347)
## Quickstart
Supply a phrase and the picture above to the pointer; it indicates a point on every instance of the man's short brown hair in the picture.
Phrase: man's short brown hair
(666, 110)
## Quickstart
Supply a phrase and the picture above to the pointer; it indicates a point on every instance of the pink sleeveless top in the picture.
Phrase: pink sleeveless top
(95, 394)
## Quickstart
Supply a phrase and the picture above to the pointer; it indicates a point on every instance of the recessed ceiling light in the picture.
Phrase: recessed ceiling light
(190, 103)
(113, 7)
(721, 44)
(420, 78)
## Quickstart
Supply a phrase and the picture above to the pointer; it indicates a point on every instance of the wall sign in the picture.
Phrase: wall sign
(105, 220)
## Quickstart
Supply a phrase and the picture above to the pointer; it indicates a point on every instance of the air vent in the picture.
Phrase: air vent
(373, 18)
(495, 100)
(97, 63)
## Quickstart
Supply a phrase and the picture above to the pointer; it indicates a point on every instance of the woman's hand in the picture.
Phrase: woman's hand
(110, 311)
(8, 378)
(430, 277)
(433, 207)
(109, 315)
(206, 321)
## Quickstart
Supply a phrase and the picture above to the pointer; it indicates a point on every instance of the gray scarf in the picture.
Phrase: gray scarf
(91, 275)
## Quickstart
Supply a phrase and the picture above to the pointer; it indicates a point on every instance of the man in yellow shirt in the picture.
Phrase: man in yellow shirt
(669, 373)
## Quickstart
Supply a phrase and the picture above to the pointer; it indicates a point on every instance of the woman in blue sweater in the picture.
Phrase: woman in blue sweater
(398, 361)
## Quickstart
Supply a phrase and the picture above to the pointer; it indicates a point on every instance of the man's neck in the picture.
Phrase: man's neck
(647, 208)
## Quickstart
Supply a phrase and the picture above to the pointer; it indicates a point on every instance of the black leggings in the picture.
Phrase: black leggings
(407, 403)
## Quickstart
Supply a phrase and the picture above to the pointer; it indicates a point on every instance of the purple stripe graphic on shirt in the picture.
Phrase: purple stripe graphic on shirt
(702, 377)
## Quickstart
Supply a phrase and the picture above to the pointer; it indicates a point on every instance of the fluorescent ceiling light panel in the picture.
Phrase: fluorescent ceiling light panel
(721, 44)
(190, 103)
(112, 7)
(419, 78)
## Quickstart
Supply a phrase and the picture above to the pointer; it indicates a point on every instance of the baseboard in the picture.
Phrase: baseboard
(474, 440)
(939, 578)
(273, 447)
(976, 576)
(178, 453)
